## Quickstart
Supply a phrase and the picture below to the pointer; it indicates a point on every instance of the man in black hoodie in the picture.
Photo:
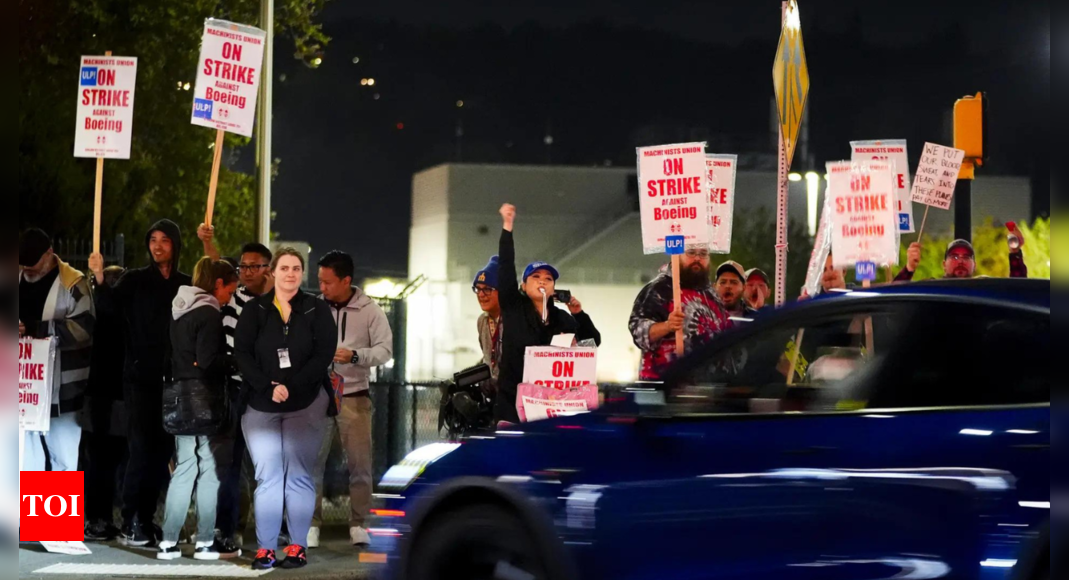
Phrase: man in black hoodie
(142, 299)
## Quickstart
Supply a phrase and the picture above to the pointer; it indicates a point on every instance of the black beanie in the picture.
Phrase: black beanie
(32, 247)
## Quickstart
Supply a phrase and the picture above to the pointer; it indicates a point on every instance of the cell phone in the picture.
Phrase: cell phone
(563, 296)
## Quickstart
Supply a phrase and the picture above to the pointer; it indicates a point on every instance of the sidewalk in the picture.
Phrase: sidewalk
(336, 560)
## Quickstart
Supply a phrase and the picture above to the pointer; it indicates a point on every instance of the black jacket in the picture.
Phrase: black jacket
(198, 347)
(142, 299)
(311, 338)
(522, 327)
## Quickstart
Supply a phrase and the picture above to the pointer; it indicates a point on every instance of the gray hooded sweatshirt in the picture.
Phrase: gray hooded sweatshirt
(364, 329)
(198, 346)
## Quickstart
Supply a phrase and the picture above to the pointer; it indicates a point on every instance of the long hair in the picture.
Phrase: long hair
(207, 271)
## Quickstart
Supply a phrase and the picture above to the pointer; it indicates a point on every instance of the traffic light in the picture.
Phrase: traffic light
(969, 116)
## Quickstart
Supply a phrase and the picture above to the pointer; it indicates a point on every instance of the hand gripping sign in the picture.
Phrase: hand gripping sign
(557, 382)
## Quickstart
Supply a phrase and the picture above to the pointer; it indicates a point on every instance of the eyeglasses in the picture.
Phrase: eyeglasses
(251, 268)
(484, 291)
(698, 254)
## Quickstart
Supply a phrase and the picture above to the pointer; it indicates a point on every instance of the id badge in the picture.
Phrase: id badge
(284, 358)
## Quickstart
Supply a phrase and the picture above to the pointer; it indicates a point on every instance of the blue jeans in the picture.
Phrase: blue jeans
(56, 450)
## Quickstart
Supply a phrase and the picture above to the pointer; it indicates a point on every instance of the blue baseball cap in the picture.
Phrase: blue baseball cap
(540, 266)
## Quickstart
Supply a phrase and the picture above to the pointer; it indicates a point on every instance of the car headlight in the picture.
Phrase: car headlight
(404, 474)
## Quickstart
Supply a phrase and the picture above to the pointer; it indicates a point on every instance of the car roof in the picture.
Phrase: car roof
(1013, 291)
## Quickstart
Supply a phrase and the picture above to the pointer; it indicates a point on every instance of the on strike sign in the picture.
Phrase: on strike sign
(893, 151)
(864, 213)
(228, 77)
(37, 359)
(673, 188)
(105, 117)
(721, 200)
(560, 368)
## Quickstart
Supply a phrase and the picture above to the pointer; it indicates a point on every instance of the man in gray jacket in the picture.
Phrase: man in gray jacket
(365, 341)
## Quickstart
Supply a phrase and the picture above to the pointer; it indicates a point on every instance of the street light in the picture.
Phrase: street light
(795, 177)
(812, 186)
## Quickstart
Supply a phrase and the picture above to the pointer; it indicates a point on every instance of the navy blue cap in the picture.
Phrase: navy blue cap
(488, 275)
(540, 266)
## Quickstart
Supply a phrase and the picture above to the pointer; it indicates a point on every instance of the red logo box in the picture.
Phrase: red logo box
(53, 506)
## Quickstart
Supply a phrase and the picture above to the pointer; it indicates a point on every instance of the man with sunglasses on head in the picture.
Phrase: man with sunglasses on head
(655, 319)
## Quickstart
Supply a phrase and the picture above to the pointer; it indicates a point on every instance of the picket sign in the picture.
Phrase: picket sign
(37, 381)
(864, 224)
(721, 169)
(895, 152)
(673, 186)
(104, 118)
(557, 382)
(937, 176)
(228, 83)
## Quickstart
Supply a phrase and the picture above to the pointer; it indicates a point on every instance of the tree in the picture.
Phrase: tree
(167, 174)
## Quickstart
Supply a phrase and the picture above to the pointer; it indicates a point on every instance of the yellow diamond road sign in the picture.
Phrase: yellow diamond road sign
(790, 75)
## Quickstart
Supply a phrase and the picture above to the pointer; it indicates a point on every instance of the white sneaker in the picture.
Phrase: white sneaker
(168, 553)
(313, 538)
(359, 537)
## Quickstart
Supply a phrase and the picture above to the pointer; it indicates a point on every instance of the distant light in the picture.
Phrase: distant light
(371, 82)
(400, 126)
(356, 60)
(1022, 432)
(460, 104)
(795, 177)
(998, 563)
(1035, 505)
(185, 87)
(317, 61)
(548, 140)
(363, 82)
(377, 96)
(179, 85)
(976, 432)
(812, 187)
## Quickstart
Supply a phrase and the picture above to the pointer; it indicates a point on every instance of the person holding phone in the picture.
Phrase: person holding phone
(530, 316)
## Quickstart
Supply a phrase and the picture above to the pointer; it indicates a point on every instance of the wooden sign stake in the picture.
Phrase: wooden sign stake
(677, 296)
(214, 183)
(924, 222)
(98, 197)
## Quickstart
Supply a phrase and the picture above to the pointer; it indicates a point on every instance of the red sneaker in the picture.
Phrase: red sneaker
(265, 560)
(296, 557)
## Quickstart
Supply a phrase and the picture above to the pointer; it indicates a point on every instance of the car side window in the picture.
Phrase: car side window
(969, 355)
(822, 364)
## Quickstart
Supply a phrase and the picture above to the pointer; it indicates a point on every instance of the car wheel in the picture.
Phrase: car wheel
(480, 542)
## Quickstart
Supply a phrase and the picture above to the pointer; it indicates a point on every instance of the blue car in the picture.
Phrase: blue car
(899, 432)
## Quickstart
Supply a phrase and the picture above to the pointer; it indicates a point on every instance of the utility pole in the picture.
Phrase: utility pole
(970, 115)
(264, 159)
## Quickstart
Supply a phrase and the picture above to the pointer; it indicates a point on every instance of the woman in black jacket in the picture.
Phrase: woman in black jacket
(529, 317)
(199, 370)
(284, 344)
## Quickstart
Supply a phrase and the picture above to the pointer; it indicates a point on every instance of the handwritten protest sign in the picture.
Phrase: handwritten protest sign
(864, 213)
(37, 359)
(673, 190)
(105, 116)
(937, 175)
(228, 77)
(895, 152)
(560, 368)
(721, 170)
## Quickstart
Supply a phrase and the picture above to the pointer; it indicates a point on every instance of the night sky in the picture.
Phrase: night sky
(605, 76)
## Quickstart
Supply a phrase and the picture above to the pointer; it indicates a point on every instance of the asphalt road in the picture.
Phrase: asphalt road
(336, 560)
